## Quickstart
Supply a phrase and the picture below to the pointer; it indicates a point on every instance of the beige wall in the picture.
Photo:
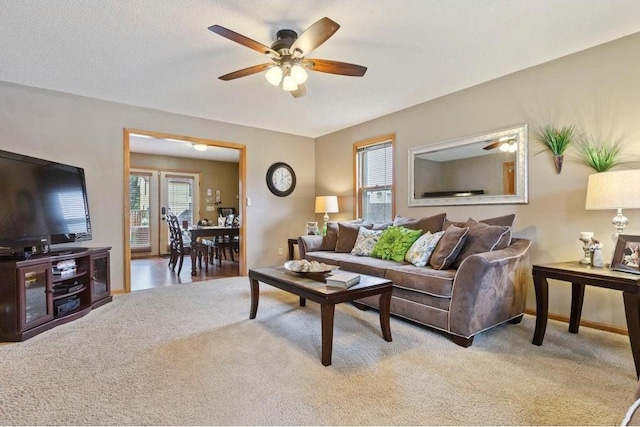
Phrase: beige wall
(597, 89)
(89, 133)
(223, 176)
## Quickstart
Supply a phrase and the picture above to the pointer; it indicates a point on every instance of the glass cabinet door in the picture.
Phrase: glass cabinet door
(99, 277)
(36, 300)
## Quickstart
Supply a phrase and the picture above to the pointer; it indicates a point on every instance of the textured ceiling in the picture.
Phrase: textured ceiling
(159, 53)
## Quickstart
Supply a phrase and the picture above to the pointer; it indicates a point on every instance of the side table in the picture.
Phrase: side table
(580, 275)
(290, 243)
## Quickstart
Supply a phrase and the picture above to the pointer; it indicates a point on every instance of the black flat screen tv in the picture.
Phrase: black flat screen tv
(41, 203)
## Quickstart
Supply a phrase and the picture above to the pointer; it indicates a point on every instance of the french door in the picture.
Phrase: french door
(178, 193)
(151, 194)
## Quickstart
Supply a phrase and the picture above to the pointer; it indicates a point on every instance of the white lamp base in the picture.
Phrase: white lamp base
(619, 222)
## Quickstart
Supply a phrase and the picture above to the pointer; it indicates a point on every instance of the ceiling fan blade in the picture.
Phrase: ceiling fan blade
(335, 67)
(493, 145)
(313, 37)
(245, 72)
(244, 41)
(301, 91)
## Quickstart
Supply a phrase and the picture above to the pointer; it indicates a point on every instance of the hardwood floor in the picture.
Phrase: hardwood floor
(154, 272)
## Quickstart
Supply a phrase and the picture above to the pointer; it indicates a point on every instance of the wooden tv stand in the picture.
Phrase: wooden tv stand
(34, 299)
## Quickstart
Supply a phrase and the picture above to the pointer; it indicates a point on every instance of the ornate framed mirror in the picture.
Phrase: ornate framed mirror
(478, 170)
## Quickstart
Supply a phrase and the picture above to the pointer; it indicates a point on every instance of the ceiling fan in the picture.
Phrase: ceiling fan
(288, 56)
(506, 143)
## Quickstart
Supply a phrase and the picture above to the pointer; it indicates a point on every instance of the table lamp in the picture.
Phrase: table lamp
(614, 190)
(326, 205)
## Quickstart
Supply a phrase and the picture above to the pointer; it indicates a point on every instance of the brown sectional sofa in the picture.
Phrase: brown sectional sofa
(485, 290)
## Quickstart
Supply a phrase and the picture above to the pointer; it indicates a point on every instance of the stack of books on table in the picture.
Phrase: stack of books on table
(65, 268)
(343, 280)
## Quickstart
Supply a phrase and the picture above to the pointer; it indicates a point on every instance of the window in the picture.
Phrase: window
(180, 197)
(139, 210)
(374, 179)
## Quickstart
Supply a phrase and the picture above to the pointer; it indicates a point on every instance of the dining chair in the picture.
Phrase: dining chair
(179, 246)
(219, 245)
(224, 212)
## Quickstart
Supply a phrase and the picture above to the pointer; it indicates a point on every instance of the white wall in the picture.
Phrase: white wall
(598, 90)
(89, 133)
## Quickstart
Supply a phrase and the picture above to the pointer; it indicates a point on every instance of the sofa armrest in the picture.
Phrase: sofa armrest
(490, 288)
(309, 243)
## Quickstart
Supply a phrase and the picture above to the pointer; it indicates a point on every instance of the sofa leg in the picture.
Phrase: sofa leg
(463, 342)
(360, 306)
(516, 320)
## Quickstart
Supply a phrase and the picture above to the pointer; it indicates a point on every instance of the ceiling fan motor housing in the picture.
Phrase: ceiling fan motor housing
(284, 40)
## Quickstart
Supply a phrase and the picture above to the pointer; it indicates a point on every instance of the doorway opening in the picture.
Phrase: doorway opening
(151, 190)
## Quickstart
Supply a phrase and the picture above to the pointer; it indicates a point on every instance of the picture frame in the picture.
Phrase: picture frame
(626, 256)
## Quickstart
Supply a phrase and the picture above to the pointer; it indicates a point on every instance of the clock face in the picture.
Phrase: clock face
(281, 179)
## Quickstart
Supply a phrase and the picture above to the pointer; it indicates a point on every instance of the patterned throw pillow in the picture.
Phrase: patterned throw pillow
(394, 243)
(347, 235)
(421, 250)
(365, 241)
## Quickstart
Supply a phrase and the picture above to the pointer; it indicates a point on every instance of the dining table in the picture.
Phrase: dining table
(206, 231)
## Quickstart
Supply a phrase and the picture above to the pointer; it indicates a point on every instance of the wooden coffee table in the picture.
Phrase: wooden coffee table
(327, 297)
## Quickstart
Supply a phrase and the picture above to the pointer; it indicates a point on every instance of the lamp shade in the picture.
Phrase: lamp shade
(614, 190)
(327, 204)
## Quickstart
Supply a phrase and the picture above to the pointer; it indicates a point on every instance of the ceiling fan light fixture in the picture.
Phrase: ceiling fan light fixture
(199, 147)
(274, 75)
(289, 84)
(299, 74)
(508, 147)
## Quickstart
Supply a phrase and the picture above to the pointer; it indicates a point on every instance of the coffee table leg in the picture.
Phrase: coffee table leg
(327, 312)
(542, 308)
(255, 293)
(303, 302)
(385, 314)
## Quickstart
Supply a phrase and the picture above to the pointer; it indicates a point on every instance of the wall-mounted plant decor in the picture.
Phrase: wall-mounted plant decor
(557, 140)
(599, 154)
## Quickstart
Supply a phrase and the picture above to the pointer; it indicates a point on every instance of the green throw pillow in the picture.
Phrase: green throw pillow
(394, 243)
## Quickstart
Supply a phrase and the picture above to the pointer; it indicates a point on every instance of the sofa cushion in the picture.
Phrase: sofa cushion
(483, 238)
(366, 265)
(382, 226)
(347, 235)
(330, 239)
(432, 223)
(365, 241)
(504, 220)
(394, 242)
(421, 250)
(438, 283)
(448, 247)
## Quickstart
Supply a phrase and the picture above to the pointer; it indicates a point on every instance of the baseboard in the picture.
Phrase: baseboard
(585, 323)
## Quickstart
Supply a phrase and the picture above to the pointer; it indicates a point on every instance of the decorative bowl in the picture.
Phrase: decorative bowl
(320, 274)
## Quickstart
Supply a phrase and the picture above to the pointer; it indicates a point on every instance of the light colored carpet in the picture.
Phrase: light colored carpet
(188, 354)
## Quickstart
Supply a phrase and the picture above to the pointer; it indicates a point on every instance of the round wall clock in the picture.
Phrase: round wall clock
(281, 179)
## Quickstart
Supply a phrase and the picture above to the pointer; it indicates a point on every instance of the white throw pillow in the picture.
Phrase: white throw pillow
(365, 241)
(421, 250)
